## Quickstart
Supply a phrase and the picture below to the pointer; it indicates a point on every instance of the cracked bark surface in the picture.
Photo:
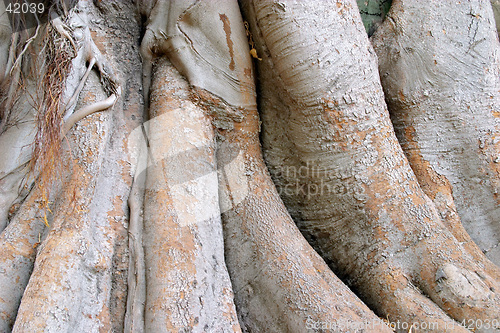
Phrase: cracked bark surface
(209, 185)
(446, 116)
(368, 217)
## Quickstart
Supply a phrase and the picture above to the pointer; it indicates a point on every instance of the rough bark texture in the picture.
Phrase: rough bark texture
(280, 283)
(187, 280)
(255, 222)
(18, 247)
(332, 151)
(444, 103)
(79, 278)
(159, 213)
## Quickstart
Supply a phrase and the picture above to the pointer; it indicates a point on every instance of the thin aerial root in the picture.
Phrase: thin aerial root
(62, 29)
(17, 63)
(134, 317)
(147, 67)
(93, 56)
(12, 53)
(74, 98)
(88, 110)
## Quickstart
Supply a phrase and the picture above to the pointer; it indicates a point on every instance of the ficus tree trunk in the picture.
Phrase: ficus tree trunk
(444, 103)
(215, 166)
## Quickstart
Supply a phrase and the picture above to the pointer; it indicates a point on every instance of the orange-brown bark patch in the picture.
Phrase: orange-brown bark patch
(227, 30)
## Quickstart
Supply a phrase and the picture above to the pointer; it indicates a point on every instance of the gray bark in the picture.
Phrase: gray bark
(330, 146)
(187, 281)
(164, 217)
(78, 283)
(442, 84)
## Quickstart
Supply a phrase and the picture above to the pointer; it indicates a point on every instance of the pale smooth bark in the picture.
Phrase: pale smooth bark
(16, 147)
(17, 136)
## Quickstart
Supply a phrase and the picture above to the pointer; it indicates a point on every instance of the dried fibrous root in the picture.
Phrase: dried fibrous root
(16, 43)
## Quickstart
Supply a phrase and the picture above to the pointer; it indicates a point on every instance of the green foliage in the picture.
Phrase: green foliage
(373, 12)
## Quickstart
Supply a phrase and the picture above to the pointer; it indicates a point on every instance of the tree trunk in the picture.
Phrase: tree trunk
(444, 105)
(187, 280)
(134, 195)
(330, 146)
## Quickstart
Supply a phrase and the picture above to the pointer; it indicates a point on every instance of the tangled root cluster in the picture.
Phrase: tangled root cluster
(38, 66)
(56, 66)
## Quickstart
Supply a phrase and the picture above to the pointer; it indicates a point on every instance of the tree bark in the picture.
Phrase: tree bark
(443, 89)
(187, 280)
(79, 277)
(255, 223)
(149, 205)
(330, 146)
